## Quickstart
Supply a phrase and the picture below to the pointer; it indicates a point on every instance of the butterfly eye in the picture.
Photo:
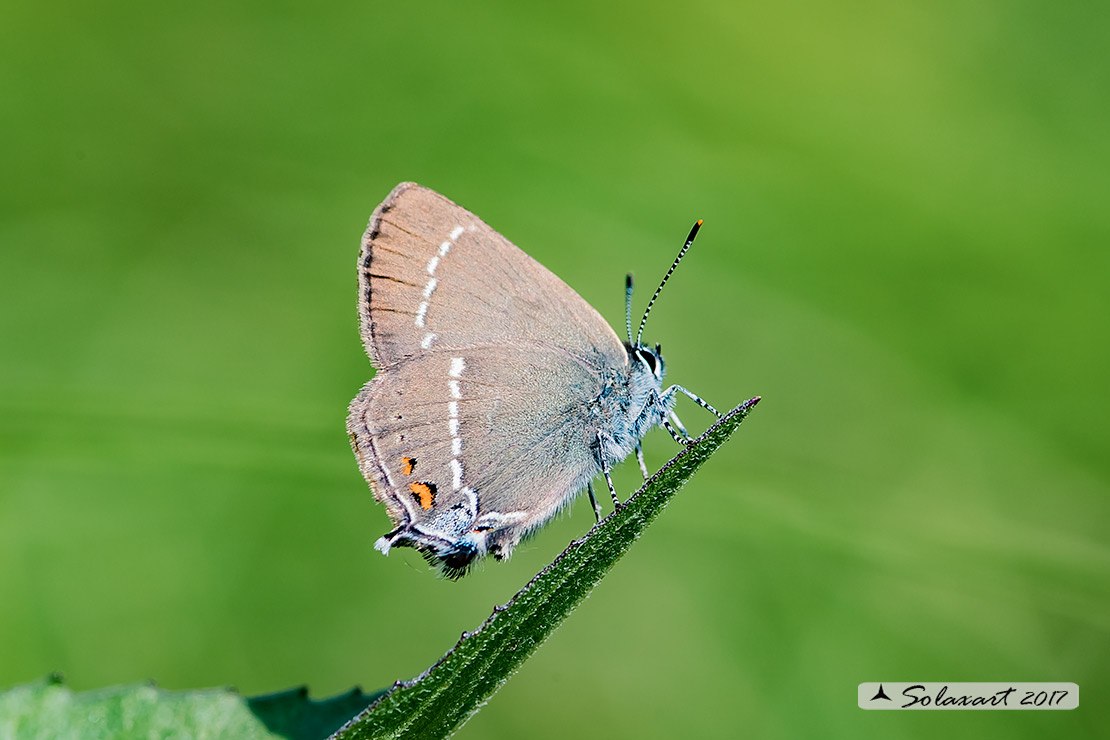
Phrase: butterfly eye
(653, 360)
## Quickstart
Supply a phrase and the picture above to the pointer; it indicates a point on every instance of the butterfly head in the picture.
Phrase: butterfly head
(647, 359)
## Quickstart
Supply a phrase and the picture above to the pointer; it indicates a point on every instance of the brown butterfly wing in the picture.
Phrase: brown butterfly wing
(498, 432)
(432, 275)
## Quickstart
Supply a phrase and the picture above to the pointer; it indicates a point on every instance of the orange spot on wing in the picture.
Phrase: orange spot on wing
(409, 465)
(425, 494)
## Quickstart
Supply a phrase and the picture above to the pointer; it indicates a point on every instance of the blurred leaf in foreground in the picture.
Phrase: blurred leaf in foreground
(48, 710)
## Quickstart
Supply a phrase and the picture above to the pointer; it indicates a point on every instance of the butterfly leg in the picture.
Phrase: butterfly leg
(640, 459)
(678, 424)
(657, 401)
(674, 433)
(593, 501)
(605, 471)
(693, 396)
(612, 491)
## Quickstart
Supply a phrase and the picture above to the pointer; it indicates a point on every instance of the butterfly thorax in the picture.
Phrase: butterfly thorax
(630, 403)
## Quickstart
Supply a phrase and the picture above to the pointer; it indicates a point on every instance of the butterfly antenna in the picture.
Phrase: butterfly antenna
(628, 305)
(681, 254)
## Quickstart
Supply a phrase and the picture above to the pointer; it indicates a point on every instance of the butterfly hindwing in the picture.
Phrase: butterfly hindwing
(492, 435)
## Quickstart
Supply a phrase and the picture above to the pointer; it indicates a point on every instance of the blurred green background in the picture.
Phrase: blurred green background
(904, 252)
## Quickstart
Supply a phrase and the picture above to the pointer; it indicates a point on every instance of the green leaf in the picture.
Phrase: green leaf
(47, 710)
(439, 701)
(291, 714)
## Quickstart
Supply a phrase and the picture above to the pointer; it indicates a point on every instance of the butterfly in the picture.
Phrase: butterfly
(499, 393)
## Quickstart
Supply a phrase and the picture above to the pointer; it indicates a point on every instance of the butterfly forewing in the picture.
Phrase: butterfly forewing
(432, 275)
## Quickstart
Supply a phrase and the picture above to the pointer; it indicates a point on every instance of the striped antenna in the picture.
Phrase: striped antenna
(628, 305)
(681, 254)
